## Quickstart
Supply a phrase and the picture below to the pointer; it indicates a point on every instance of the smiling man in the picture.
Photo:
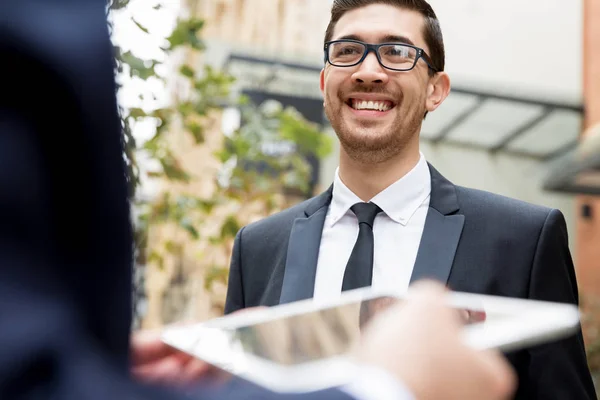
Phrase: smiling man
(390, 218)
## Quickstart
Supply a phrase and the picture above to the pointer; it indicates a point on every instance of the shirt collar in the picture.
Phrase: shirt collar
(399, 201)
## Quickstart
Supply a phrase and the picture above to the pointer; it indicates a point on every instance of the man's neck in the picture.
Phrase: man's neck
(367, 180)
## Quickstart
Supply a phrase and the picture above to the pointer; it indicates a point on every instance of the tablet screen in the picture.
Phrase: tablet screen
(319, 334)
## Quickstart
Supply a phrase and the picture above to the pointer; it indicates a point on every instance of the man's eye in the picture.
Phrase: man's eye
(397, 52)
(348, 51)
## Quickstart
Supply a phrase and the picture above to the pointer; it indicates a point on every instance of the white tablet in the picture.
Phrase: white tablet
(306, 346)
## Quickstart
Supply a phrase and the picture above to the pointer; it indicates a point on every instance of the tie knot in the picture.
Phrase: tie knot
(366, 212)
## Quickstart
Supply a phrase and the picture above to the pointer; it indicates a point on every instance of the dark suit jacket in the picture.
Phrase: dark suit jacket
(473, 241)
(65, 234)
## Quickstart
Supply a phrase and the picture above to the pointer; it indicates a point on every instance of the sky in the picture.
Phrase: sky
(128, 36)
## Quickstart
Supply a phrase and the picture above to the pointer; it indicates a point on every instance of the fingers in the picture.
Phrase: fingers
(194, 370)
(464, 316)
(163, 370)
(173, 370)
(147, 347)
(424, 298)
(153, 361)
(429, 298)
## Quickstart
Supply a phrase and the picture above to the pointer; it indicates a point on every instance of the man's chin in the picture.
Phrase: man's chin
(368, 131)
(367, 140)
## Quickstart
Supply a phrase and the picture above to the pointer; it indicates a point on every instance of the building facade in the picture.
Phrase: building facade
(588, 218)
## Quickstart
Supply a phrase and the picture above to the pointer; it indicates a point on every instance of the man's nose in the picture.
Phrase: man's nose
(370, 72)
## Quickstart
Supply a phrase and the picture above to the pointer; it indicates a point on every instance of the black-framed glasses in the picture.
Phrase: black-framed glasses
(393, 56)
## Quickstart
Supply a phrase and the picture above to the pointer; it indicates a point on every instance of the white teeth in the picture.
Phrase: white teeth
(370, 105)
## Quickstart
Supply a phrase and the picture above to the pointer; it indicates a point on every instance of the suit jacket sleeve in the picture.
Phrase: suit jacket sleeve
(557, 370)
(235, 290)
(47, 352)
(65, 240)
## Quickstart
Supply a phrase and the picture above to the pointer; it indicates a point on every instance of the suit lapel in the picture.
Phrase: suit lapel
(303, 251)
(441, 234)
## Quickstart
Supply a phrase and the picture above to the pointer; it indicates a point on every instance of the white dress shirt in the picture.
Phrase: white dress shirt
(397, 233)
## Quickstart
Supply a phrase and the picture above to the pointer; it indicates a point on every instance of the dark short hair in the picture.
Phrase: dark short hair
(432, 30)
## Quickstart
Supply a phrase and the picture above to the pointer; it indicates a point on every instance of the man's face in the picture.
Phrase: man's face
(377, 131)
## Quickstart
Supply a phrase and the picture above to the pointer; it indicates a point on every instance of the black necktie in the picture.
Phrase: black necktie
(359, 270)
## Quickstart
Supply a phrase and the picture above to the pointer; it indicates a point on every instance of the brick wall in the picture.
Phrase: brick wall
(588, 229)
(289, 28)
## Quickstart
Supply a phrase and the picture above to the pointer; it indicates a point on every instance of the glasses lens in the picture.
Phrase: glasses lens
(398, 56)
(345, 53)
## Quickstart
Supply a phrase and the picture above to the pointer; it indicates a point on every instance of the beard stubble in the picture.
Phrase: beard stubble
(370, 142)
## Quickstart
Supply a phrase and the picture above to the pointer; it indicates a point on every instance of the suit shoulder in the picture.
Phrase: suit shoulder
(486, 202)
(278, 220)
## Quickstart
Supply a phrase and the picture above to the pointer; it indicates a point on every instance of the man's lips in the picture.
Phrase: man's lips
(370, 104)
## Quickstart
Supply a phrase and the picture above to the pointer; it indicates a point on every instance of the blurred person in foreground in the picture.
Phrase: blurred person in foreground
(390, 218)
(66, 247)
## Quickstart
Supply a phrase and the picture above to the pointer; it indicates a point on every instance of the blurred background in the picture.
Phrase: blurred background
(223, 124)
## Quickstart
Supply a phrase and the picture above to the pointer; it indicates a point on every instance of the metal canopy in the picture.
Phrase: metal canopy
(534, 128)
(274, 75)
(540, 129)
(578, 171)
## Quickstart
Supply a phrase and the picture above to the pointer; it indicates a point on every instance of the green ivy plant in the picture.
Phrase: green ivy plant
(239, 181)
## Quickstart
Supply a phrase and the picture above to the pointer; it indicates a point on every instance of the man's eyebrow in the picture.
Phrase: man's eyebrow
(385, 39)
(396, 38)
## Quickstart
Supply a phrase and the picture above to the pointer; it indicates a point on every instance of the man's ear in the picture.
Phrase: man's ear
(438, 89)
(322, 81)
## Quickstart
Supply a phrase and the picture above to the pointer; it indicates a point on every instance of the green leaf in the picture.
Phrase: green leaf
(160, 210)
(131, 60)
(155, 257)
(215, 274)
(305, 135)
(230, 227)
(215, 240)
(185, 108)
(173, 248)
(223, 155)
(162, 116)
(137, 113)
(173, 170)
(243, 100)
(186, 34)
(197, 131)
(186, 223)
(270, 204)
(206, 206)
(155, 174)
(142, 27)
(157, 7)
(118, 4)
(143, 69)
(186, 70)
(171, 167)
